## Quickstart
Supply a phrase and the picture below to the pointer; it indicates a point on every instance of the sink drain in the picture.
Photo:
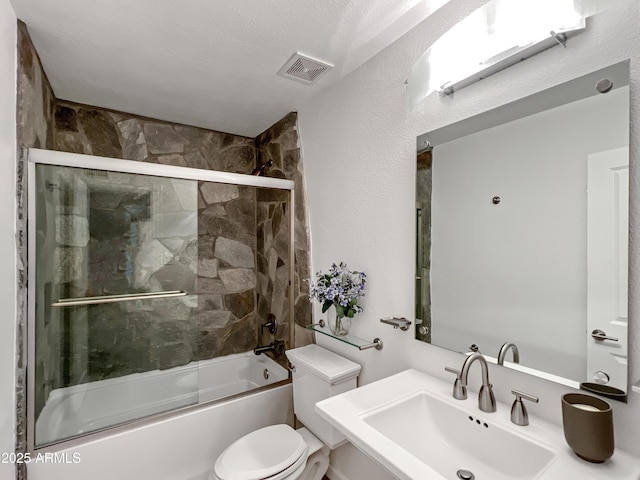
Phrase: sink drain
(464, 474)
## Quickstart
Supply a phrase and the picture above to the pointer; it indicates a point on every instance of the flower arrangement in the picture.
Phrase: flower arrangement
(340, 288)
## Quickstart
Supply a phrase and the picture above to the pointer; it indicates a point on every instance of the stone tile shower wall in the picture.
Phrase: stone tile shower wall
(35, 98)
(227, 319)
(281, 145)
(94, 131)
(35, 103)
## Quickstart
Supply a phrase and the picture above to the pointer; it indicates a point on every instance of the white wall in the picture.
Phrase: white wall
(359, 142)
(7, 244)
(520, 266)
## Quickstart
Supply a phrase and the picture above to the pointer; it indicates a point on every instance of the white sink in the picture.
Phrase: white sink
(448, 439)
(411, 424)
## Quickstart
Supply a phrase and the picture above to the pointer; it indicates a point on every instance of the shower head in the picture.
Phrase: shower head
(259, 171)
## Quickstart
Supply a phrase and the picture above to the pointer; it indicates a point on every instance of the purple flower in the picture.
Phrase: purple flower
(340, 286)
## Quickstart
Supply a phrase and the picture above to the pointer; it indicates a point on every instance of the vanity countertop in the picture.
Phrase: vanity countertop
(357, 414)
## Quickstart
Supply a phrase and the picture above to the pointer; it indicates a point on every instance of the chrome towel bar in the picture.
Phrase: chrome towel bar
(69, 302)
(397, 322)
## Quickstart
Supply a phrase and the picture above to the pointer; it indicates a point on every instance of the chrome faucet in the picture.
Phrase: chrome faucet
(459, 392)
(503, 353)
(486, 399)
(519, 414)
(277, 347)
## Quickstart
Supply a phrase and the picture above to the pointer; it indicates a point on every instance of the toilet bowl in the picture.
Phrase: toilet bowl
(278, 452)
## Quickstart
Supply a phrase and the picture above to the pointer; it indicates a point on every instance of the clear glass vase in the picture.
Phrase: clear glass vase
(339, 326)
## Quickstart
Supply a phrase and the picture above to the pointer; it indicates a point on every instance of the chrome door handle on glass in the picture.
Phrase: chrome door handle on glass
(127, 297)
(600, 335)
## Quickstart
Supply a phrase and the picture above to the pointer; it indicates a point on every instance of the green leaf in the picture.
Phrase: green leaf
(350, 313)
(326, 305)
(340, 310)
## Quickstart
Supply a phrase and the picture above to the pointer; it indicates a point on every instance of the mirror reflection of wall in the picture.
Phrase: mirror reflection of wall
(506, 256)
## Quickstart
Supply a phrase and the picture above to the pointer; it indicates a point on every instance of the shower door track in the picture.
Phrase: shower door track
(34, 156)
(90, 162)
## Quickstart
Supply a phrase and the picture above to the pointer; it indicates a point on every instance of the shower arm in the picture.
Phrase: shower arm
(69, 302)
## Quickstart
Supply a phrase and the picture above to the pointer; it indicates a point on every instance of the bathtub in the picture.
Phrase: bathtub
(77, 410)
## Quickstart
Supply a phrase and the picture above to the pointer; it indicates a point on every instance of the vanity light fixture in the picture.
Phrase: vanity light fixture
(494, 37)
(510, 57)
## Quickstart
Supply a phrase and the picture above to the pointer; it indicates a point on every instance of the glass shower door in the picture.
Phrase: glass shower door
(116, 296)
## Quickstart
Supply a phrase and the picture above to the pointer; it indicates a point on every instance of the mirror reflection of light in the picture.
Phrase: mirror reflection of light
(490, 33)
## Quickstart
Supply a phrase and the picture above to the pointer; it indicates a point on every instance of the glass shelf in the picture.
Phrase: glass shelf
(354, 341)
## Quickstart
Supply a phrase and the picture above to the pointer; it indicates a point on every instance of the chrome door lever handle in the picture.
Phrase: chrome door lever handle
(601, 335)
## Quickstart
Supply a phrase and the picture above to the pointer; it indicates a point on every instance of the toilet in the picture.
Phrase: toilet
(278, 452)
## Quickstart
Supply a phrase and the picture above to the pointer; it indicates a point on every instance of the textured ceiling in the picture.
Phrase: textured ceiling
(208, 63)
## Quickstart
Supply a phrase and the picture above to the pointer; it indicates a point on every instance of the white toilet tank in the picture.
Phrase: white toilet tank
(320, 374)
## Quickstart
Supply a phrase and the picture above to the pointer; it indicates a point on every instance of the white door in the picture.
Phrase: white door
(607, 266)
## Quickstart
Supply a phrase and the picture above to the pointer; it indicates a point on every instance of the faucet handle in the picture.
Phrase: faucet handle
(519, 414)
(459, 390)
(271, 325)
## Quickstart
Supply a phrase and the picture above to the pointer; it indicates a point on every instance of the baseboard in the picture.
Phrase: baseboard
(335, 474)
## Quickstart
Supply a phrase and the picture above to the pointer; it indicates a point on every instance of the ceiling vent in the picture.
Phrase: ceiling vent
(304, 69)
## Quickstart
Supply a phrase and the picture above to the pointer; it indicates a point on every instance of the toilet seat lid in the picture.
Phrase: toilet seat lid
(261, 454)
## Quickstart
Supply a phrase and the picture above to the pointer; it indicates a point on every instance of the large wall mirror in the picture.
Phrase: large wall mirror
(522, 233)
